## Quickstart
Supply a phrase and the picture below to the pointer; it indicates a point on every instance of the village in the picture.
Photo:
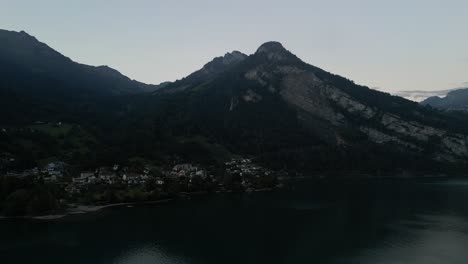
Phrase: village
(240, 174)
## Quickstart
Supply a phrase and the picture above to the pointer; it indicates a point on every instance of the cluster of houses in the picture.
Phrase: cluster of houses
(188, 171)
(248, 172)
(108, 176)
(54, 172)
(190, 176)
(184, 173)
(51, 172)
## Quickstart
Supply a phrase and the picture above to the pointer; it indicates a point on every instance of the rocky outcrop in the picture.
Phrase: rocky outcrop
(305, 91)
(410, 128)
(456, 144)
(251, 96)
(346, 102)
(258, 75)
(220, 64)
(380, 137)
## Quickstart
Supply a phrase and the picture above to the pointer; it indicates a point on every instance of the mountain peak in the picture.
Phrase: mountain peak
(104, 69)
(220, 63)
(271, 46)
(274, 51)
(22, 32)
(233, 57)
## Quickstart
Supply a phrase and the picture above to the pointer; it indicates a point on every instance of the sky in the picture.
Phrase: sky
(388, 45)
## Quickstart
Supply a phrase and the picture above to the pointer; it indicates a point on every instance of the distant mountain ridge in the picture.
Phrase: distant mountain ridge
(22, 56)
(37, 81)
(421, 95)
(454, 100)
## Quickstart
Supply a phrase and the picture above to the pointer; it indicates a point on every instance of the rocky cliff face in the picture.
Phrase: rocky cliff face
(329, 107)
(313, 96)
(312, 93)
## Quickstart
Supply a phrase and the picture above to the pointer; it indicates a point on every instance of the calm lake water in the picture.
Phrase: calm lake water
(362, 221)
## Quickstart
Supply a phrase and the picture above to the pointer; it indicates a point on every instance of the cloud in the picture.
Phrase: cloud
(419, 95)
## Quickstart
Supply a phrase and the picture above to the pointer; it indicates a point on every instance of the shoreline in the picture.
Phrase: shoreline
(83, 209)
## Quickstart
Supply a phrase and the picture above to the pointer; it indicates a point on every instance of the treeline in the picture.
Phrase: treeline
(26, 196)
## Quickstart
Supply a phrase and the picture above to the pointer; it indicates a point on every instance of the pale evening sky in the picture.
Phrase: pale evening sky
(394, 45)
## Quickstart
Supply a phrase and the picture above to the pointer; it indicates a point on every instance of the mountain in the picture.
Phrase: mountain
(32, 67)
(454, 100)
(209, 71)
(275, 105)
(35, 75)
(269, 105)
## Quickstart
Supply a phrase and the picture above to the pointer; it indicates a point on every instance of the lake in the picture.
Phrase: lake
(350, 221)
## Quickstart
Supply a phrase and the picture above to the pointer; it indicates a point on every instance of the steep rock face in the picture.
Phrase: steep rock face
(451, 146)
(273, 90)
(348, 103)
(314, 96)
(380, 137)
(306, 92)
(411, 129)
(299, 88)
(456, 144)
